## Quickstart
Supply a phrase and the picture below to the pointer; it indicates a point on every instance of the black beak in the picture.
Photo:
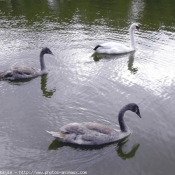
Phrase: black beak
(138, 113)
(51, 53)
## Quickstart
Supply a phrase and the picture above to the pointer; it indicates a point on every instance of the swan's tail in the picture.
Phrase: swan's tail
(1, 74)
(96, 47)
(57, 135)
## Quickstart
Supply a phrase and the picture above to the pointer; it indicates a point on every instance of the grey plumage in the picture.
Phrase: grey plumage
(23, 72)
(90, 133)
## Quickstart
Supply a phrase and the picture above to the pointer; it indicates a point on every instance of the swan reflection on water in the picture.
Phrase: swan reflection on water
(132, 69)
(56, 144)
(99, 56)
(46, 93)
(19, 82)
(131, 56)
(126, 155)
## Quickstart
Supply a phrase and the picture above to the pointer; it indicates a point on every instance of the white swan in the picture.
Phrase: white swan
(23, 72)
(89, 133)
(117, 48)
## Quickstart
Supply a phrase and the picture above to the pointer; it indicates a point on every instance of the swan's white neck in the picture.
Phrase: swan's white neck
(132, 40)
(42, 63)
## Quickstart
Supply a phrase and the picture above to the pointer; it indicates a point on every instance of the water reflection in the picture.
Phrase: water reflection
(97, 57)
(136, 9)
(18, 82)
(122, 154)
(52, 4)
(56, 144)
(132, 69)
(46, 93)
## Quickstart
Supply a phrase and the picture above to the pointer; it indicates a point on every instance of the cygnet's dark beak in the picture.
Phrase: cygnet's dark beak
(51, 53)
(138, 113)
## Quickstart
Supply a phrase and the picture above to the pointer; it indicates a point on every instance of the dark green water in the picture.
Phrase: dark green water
(82, 87)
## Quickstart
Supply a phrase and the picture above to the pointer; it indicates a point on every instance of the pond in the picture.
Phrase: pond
(82, 86)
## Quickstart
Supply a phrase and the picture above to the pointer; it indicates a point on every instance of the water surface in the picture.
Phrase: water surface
(82, 86)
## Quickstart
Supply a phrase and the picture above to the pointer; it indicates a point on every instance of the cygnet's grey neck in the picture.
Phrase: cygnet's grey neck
(42, 63)
(123, 126)
(132, 40)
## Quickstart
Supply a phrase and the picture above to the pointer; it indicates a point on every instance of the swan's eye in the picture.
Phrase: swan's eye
(137, 27)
